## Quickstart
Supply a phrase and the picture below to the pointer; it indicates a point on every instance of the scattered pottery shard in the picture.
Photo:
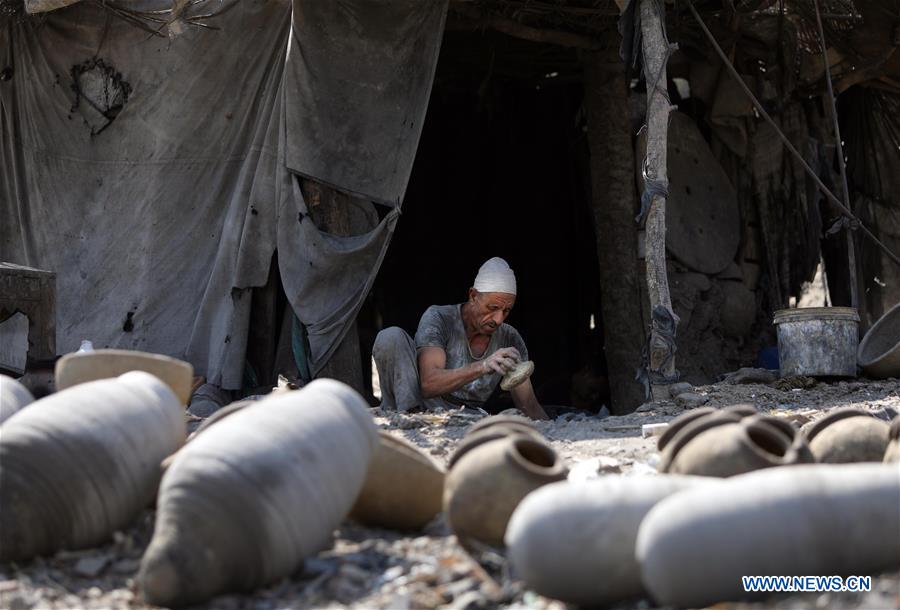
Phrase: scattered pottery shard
(892, 454)
(80, 464)
(13, 396)
(796, 520)
(487, 483)
(575, 541)
(848, 435)
(519, 374)
(80, 367)
(251, 497)
(403, 488)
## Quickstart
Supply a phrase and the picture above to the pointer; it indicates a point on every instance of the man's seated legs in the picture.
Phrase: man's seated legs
(395, 358)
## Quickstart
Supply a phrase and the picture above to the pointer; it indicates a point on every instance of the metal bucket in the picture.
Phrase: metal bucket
(817, 341)
(879, 352)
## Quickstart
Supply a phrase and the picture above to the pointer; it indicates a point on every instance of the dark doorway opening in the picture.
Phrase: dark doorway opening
(502, 170)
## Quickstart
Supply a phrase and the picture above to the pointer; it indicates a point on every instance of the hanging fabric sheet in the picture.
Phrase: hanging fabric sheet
(153, 173)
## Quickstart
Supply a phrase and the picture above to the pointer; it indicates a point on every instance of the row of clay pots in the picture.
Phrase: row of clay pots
(734, 440)
(686, 541)
(848, 435)
(500, 461)
(730, 441)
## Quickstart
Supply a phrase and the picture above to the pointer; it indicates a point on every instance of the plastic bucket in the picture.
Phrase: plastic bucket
(817, 341)
(879, 352)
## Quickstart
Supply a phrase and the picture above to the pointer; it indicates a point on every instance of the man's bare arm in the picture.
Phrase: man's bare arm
(436, 380)
(525, 400)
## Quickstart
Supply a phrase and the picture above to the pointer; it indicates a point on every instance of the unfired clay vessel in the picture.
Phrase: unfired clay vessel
(575, 542)
(493, 428)
(80, 367)
(720, 446)
(694, 546)
(892, 454)
(403, 488)
(80, 464)
(13, 396)
(249, 499)
(487, 483)
(848, 435)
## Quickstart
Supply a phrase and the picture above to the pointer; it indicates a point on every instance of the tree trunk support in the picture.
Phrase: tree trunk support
(613, 196)
(656, 50)
(328, 208)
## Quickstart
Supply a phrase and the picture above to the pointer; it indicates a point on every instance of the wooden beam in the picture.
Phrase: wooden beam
(525, 32)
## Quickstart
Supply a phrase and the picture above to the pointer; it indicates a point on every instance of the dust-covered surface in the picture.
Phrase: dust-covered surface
(373, 568)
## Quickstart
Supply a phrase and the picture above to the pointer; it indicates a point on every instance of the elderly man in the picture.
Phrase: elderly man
(460, 352)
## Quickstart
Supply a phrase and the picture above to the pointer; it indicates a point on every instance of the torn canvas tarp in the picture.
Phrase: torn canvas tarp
(150, 173)
(357, 83)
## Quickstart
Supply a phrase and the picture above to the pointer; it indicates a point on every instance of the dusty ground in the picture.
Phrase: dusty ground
(370, 568)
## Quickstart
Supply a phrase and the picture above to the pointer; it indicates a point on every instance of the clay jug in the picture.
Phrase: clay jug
(694, 546)
(575, 542)
(848, 435)
(246, 501)
(80, 464)
(493, 428)
(487, 483)
(403, 488)
(892, 454)
(80, 367)
(13, 396)
(679, 423)
(720, 446)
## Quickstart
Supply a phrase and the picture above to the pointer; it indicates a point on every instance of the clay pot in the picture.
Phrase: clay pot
(723, 446)
(13, 396)
(487, 483)
(80, 464)
(81, 367)
(694, 546)
(679, 423)
(244, 503)
(497, 420)
(892, 454)
(494, 428)
(575, 542)
(403, 488)
(848, 435)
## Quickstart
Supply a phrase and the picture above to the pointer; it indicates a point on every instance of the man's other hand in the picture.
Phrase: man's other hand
(502, 361)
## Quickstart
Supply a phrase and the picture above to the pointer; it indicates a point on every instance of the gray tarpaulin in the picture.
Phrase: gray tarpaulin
(158, 217)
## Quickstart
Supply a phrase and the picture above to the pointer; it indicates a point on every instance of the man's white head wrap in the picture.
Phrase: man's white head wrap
(495, 276)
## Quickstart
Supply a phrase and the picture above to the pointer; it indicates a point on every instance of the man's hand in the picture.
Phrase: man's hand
(502, 361)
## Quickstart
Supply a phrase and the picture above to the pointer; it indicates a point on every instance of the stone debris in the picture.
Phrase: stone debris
(91, 566)
(691, 400)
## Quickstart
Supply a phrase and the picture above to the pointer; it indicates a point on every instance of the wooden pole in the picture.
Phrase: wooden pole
(832, 106)
(613, 197)
(655, 49)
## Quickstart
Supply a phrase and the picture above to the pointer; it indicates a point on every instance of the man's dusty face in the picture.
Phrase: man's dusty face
(491, 309)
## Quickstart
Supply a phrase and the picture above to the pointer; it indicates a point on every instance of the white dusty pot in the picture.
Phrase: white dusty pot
(244, 503)
(822, 519)
(81, 463)
(575, 541)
